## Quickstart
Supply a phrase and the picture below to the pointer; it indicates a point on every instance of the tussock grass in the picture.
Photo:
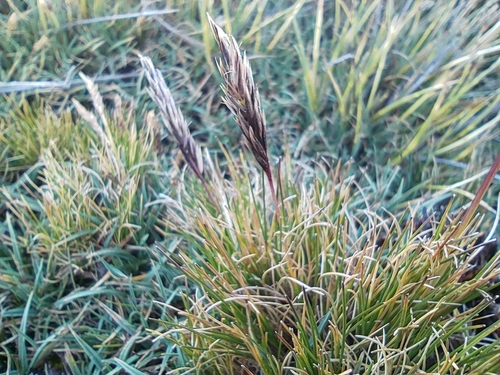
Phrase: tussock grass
(77, 283)
(29, 131)
(370, 265)
(334, 289)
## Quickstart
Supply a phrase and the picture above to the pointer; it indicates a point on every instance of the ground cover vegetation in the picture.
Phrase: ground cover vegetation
(172, 204)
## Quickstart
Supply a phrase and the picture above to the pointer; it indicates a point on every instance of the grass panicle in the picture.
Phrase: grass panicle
(243, 100)
(175, 122)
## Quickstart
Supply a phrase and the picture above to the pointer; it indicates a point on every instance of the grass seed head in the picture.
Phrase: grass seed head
(175, 121)
(172, 116)
(241, 96)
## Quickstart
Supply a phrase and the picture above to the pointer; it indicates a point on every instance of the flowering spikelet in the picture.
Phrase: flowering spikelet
(241, 96)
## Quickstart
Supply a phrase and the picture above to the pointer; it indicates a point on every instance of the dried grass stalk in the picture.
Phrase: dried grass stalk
(174, 121)
(242, 99)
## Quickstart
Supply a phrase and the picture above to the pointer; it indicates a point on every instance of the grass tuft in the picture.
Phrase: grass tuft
(334, 289)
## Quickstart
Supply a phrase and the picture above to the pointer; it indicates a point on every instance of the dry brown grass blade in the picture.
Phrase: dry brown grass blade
(477, 199)
(242, 99)
(175, 121)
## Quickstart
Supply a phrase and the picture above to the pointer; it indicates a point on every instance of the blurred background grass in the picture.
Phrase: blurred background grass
(408, 90)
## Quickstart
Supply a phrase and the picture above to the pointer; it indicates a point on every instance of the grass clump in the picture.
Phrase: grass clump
(31, 129)
(333, 289)
(101, 181)
(330, 289)
(41, 40)
(76, 284)
(337, 276)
